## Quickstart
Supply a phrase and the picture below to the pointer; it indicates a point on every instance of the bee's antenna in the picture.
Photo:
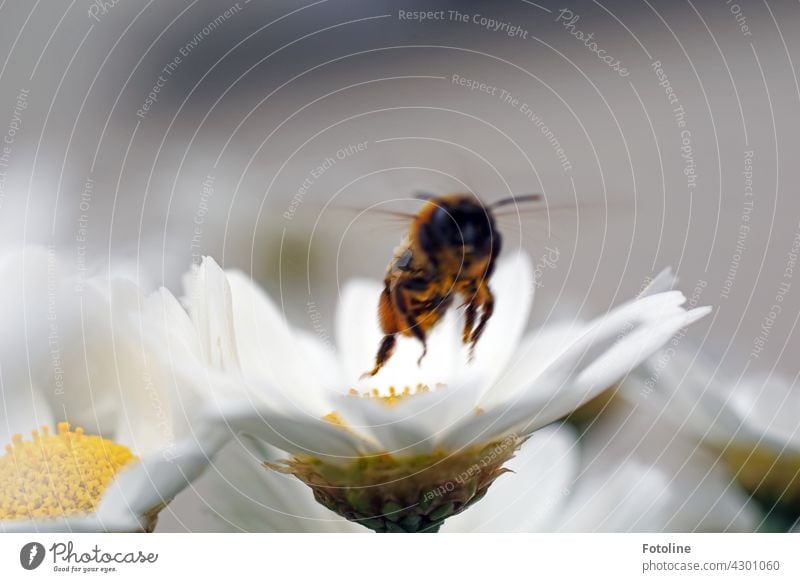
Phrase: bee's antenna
(516, 200)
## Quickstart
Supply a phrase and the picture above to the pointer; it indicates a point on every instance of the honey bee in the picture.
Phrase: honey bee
(450, 250)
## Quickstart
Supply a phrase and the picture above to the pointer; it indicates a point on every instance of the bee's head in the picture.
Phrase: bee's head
(462, 221)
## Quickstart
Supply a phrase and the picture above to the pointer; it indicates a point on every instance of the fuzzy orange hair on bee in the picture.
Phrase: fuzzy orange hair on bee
(449, 251)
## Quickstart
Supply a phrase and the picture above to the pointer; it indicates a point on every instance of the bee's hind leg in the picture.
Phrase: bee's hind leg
(384, 353)
(470, 313)
(418, 332)
(485, 299)
(424, 352)
(413, 325)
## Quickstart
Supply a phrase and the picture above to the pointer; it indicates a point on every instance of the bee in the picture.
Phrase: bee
(449, 251)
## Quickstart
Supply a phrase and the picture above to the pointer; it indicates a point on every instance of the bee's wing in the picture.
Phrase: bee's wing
(372, 219)
(352, 210)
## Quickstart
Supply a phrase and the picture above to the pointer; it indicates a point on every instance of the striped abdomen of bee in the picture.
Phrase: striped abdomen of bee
(449, 252)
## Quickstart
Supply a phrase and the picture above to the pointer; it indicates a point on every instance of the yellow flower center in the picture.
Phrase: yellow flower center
(57, 475)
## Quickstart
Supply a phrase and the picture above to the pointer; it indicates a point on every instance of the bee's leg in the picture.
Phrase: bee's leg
(414, 326)
(485, 299)
(388, 323)
(424, 350)
(384, 353)
(470, 313)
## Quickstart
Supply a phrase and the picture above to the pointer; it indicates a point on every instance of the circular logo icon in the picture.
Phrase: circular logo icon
(31, 555)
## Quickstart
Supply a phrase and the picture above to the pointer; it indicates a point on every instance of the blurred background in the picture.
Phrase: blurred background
(267, 134)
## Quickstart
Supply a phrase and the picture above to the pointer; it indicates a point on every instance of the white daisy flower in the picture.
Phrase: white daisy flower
(629, 472)
(97, 439)
(242, 496)
(382, 453)
(752, 422)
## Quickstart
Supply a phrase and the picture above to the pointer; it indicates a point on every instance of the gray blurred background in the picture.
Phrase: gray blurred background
(160, 132)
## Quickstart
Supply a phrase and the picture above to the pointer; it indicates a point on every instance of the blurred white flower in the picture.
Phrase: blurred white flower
(73, 354)
(639, 474)
(752, 422)
(417, 444)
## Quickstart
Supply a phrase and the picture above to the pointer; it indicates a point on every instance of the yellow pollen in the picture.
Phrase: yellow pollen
(57, 475)
(394, 397)
(335, 419)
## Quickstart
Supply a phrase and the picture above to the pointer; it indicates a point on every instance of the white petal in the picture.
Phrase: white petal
(246, 496)
(636, 347)
(22, 409)
(179, 381)
(412, 425)
(208, 301)
(23, 405)
(320, 360)
(662, 282)
(530, 498)
(192, 381)
(513, 289)
(88, 524)
(602, 333)
(144, 412)
(496, 422)
(299, 435)
(610, 367)
(563, 387)
(357, 330)
(47, 335)
(156, 479)
(535, 353)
